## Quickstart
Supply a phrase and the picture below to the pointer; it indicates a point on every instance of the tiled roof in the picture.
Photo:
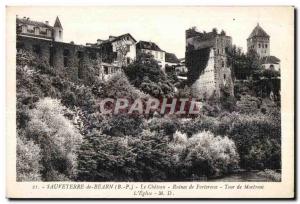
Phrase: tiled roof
(170, 57)
(270, 60)
(121, 36)
(57, 23)
(147, 45)
(27, 21)
(258, 32)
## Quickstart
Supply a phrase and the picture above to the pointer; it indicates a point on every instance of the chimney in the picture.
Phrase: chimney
(99, 41)
(47, 22)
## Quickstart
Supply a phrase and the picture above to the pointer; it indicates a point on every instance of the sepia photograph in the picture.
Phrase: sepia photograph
(193, 95)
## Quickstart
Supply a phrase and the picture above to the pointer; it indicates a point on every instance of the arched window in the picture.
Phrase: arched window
(223, 63)
(258, 45)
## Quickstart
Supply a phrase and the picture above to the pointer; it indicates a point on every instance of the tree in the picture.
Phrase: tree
(57, 138)
(146, 75)
(28, 160)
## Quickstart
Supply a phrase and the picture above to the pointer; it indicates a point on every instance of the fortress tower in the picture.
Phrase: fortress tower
(206, 59)
(57, 31)
(259, 41)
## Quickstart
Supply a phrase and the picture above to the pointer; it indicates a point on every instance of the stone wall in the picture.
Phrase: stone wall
(75, 61)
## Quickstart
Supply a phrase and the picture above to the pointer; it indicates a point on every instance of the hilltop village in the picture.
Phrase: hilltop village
(206, 67)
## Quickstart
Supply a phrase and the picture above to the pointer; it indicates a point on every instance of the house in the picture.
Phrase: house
(121, 50)
(153, 49)
(271, 62)
(39, 30)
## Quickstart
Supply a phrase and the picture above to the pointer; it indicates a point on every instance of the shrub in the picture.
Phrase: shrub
(123, 124)
(57, 137)
(146, 75)
(205, 154)
(106, 158)
(258, 139)
(28, 160)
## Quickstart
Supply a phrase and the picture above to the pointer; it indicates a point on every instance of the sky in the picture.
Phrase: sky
(166, 25)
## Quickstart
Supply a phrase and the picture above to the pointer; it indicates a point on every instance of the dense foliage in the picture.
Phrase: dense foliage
(62, 134)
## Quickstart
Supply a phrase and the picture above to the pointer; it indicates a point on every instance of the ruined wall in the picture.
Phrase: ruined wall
(206, 60)
(74, 61)
(205, 84)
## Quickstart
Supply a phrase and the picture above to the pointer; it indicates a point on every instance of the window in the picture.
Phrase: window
(36, 31)
(223, 64)
(224, 76)
(60, 33)
(24, 28)
(48, 32)
(66, 57)
(266, 45)
(156, 55)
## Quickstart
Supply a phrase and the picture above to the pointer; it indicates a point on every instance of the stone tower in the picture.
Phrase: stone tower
(259, 41)
(209, 72)
(57, 31)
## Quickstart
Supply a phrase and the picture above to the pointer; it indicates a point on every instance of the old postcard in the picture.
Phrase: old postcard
(150, 102)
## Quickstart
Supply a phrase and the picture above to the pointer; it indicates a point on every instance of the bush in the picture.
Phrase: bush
(57, 138)
(146, 75)
(28, 160)
(123, 124)
(258, 139)
(248, 104)
(107, 158)
(204, 154)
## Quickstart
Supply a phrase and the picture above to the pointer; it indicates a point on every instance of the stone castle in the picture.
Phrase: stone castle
(208, 69)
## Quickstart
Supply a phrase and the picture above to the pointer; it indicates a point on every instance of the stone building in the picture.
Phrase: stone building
(153, 49)
(46, 41)
(259, 41)
(208, 70)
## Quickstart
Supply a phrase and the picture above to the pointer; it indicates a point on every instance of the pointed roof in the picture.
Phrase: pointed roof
(57, 23)
(258, 32)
